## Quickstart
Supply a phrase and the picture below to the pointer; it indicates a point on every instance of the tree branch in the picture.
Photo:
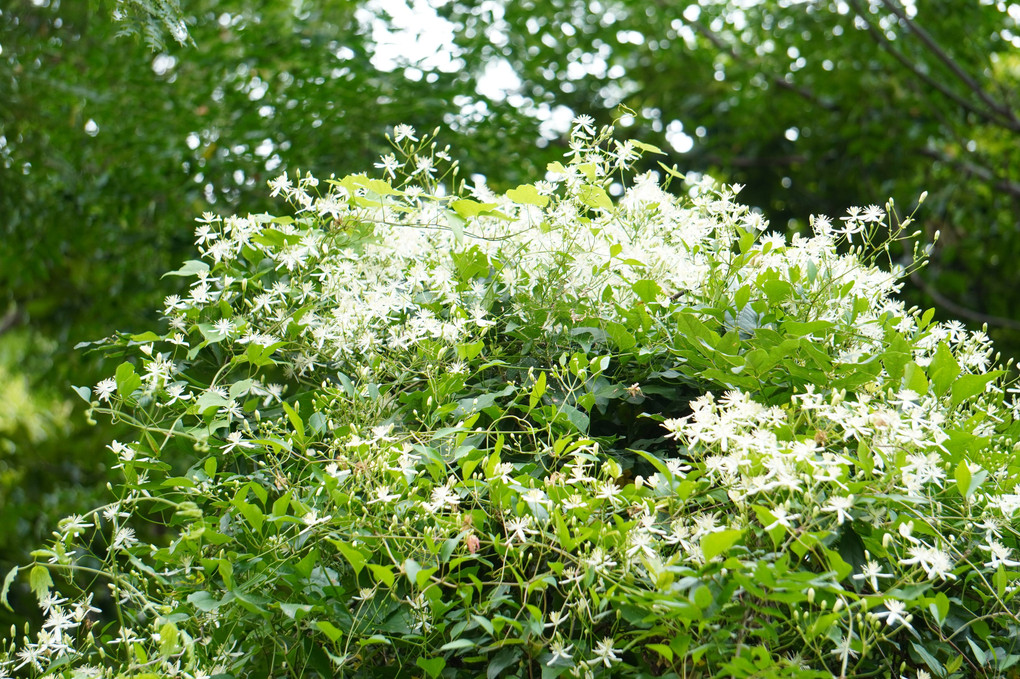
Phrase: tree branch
(983, 173)
(887, 46)
(756, 161)
(11, 319)
(972, 84)
(959, 310)
(779, 81)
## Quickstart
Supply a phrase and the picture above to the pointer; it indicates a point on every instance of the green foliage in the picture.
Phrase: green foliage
(35, 425)
(108, 152)
(441, 433)
(810, 104)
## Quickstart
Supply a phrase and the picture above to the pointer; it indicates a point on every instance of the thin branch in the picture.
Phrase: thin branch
(887, 45)
(981, 172)
(957, 70)
(962, 311)
(11, 319)
(756, 161)
(779, 81)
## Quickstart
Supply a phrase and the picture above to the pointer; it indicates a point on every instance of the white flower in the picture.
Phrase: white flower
(518, 529)
(1000, 555)
(224, 327)
(893, 613)
(50, 602)
(535, 498)
(872, 214)
(871, 572)
(599, 561)
(559, 651)
(402, 132)
(389, 164)
(383, 494)
(605, 652)
(608, 490)
(574, 501)
(841, 506)
(312, 518)
(843, 649)
(124, 538)
(641, 541)
(105, 389)
(30, 654)
(124, 453)
(280, 184)
(235, 440)
(73, 525)
(782, 517)
(934, 561)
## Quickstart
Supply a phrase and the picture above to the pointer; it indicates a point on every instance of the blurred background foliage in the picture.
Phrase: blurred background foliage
(111, 145)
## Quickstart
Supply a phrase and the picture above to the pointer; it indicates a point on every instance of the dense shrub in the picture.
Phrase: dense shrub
(543, 433)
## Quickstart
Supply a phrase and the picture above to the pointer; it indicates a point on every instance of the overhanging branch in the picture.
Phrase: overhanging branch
(960, 310)
(1009, 119)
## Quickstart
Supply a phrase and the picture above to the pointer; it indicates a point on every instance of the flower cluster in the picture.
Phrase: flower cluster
(543, 430)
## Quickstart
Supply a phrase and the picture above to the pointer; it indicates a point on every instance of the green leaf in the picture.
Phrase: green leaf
(470, 350)
(742, 297)
(169, 636)
(933, 664)
(432, 666)
(8, 581)
(353, 555)
(939, 607)
(837, 564)
(281, 505)
(648, 148)
(501, 661)
(210, 401)
(127, 379)
(295, 419)
(646, 290)
(526, 194)
(296, 611)
(575, 417)
(943, 369)
(914, 379)
(962, 475)
(594, 196)
(329, 629)
(979, 654)
(817, 328)
(191, 267)
(467, 208)
(39, 580)
(377, 186)
(702, 597)
(457, 643)
(382, 574)
(252, 515)
(971, 385)
(714, 544)
(204, 601)
(537, 390)
(620, 336)
(259, 355)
